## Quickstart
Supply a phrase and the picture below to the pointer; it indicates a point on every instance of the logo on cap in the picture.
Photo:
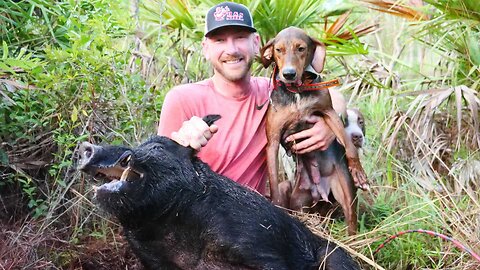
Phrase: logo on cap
(224, 13)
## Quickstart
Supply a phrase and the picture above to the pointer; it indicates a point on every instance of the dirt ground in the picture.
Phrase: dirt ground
(26, 243)
(26, 246)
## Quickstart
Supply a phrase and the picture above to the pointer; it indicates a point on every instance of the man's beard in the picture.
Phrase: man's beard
(235, 75)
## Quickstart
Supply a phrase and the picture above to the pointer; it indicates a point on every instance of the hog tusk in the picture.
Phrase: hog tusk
(125, 174)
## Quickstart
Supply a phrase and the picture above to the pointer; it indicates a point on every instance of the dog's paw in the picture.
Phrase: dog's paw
(359, 177)
(279, 200)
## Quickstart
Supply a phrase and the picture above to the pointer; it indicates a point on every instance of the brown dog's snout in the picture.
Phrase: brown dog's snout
(289, 73)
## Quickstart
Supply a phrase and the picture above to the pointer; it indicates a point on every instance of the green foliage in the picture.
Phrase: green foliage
(453, 31)
(458, 9)
(76, 82)
(33, 23)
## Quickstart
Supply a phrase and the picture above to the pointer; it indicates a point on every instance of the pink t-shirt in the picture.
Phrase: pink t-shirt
(237, 150)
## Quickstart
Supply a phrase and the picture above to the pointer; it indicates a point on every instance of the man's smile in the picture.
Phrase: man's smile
(232, 61)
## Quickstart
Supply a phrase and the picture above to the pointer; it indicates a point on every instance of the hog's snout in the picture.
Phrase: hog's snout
(86, 151)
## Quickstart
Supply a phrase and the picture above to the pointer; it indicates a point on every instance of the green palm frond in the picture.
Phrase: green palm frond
(451, 29)
(171, 15)
(458, 9)
(270, 16)
(457, 43)
(273, 16)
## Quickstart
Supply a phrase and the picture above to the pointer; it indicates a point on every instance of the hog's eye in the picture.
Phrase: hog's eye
(278, 50)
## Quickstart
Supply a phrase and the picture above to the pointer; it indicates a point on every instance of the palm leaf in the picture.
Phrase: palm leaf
(428, 102)
(347, 42)
(177, 14)
(396, 9)
(338, 24)
(458, 9)
(272, 16)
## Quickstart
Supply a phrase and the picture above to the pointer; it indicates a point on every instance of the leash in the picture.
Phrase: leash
(296, 89)
(303, 87)
(432, 233)
(310, 86)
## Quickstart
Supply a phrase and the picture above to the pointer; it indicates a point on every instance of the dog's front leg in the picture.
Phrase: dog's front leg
(272, 164)
(273, 138)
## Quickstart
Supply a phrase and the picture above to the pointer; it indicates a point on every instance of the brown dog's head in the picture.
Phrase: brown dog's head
(293, 50)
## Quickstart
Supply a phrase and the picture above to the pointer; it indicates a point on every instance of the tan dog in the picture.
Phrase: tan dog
(296, 97)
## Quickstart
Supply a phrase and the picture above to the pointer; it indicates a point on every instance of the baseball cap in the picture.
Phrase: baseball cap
(228, 14)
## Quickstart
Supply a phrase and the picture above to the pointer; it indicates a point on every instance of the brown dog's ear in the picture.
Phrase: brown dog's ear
(266, 53)
(318, 61)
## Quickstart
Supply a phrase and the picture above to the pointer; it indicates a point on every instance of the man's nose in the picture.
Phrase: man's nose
(231, 46)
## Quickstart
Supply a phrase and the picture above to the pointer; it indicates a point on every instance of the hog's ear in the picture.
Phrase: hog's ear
(211, 118)
(318, 61)
(179, 150)
(266, 53)
(171, 146)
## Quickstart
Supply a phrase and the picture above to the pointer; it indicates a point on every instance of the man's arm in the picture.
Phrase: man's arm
(319, 136)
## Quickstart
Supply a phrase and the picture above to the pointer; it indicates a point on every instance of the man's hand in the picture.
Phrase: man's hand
(194, 133)
(318, 137)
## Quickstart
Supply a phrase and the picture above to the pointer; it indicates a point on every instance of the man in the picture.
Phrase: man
(237, 150)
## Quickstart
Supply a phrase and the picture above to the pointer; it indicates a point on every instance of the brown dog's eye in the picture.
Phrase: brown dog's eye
(301, 49)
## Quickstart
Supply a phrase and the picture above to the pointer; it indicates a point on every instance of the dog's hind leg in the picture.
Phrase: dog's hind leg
(345, 194)
(305, 192)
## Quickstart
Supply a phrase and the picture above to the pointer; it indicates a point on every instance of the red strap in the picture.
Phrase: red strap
(320, 85)
(310, 87)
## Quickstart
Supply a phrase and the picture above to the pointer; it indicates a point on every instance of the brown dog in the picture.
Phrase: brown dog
(333, 157)
(296, 97)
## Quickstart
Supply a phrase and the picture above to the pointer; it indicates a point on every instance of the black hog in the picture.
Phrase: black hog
(179, 214)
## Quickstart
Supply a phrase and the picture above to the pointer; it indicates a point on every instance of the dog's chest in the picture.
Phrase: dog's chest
(295, 102)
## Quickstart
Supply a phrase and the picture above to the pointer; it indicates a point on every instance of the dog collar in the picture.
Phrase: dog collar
(310, 86)
(305, 87)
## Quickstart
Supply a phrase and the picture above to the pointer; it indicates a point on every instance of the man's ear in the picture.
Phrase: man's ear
(205, 49)
(256, 43)
(266, 53)
(318, 61)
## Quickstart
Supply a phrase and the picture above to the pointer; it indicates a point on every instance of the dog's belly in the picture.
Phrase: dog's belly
(326, 161)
